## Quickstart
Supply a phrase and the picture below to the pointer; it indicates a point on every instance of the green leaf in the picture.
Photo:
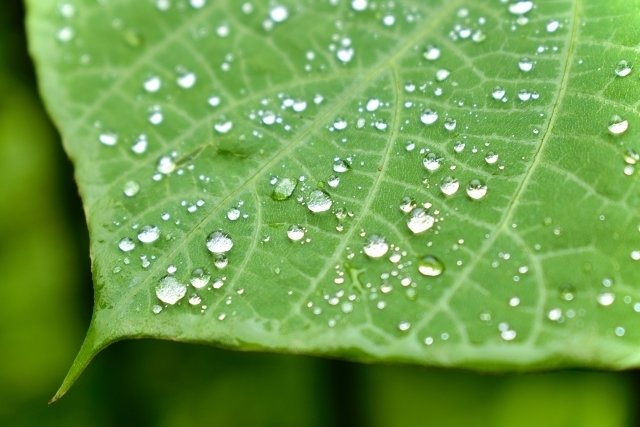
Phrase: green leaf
(299, 130)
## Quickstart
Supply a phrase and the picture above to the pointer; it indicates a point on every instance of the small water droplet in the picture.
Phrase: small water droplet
(376, 246)
(617, 125)
(525, 65)
(170, 290)
(186, 79)
(156, 309)
(552, 26)
(407, 204)
(498, 93)
(404, 325)
(450, 124)
(430, 266)
(199, 278)
(476, 189)
(340, 124)
(442, 75)
(220, 261)
(284, 188)
(341, 166)
(319, 201)
(431, 53)
(449, 186)
(126, 244)
(152, 84)
(623, 69)
(65, 34)
(219, 242)
(605, 299)
(420, 221)
(491, 157)
(223, 126)
(554, 314)
(372, 105)
(108, 138)
(278, 13)
(431, 162)
(131, 188)
(428, 116)
(345, 54)
(233, 214)
(295, 233)
(520, 7)
(141, 144)
(166, 165)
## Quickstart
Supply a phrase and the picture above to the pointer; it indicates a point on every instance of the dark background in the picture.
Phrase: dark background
(46, 300)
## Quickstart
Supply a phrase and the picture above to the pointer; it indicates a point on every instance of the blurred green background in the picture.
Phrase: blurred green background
(45, 307)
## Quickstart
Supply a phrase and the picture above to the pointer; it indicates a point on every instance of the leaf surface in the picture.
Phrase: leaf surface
(250, 118)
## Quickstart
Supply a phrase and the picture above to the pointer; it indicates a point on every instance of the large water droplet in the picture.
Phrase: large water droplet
(295, 233)
(219, 242)
(149, 234)
(376, 246)
(170, 290)
(476, 189)
(430, 266)
(420, 221)
(319, 201)
(284, 188)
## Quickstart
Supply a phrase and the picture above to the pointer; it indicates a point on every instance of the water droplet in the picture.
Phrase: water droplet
(508, 334)
(295, 233)
(149, 234)
(498, 93)
(619, 331)
(347, 307)
(420, 221)
(65, 34)
(299, 106)
(554, 314)
(372, 104)
(220, 261)
(156, 309)
(223, 31)
(340, 124)
(623, 69)
(269, 118)
(166, 165)
(431, 53)
(186, 80)
(152, 84)
(219, 242)
(131, 188)
(333, 181)
(214, 100)
(319, 201)
(520, 7)
(524, 95)
(284, 188)
(197, 4)
(233, 214)
(67, 10)
(141, 144)
(476, 189)
(617, 125)
(428, 116)
(442, 75)
(341, 166)
(552, 26)
(108, 138)
(458, 147)
(359, 5)
(170, 290)
(194, 299)
(155, 115)
(223, 126)
(278, 13)
(635, 255)
(126, 244)
(606, 298)
(525, 65)
(430, 266)
(567, 293)
(491, 157)
(431, 162)
(376, 246)
(199, 279)
(404, 325)
(345, 54)
(450, 124)
(449, 186)
(407, 204)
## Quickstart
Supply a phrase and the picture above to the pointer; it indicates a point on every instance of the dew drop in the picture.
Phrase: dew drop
(567, 293)
(623, 69)
(491, 157)
(233, 214)
(552, 26)
(170, 290)
(554, 314)
(520, 7)
(152, 84)
(372, 105)
(126, 244)
(319, 201)
(166, 165)
(269, 118)
(186, 80)
(449, 186)
(525, 65)
(108, 138)
(341, 166)
(508, 334)
(219, 242)
(199, 279)
(420, 221)
(220, 261)
(149, 234)
(278, 13)
(295, 233)
(65, 34)
(284, 189)
(131, 188)
(430, 266)
(476, 189)
(156, 309)
(431, 162)
(345, 54)
(214, 100)
(450, 124)
(442, 75)
(376, 246)
(407, 204)
(431, 53)
(605, 299)
(498, 93)
(141, 144)
(428, 116)
(194, 299)
(404, 325)
(223, 126)
(340, 124)
(618, 125)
